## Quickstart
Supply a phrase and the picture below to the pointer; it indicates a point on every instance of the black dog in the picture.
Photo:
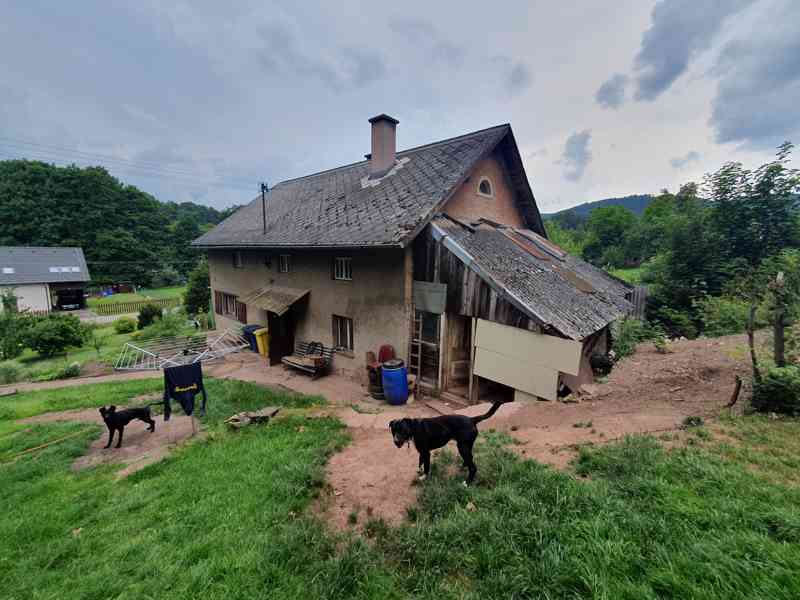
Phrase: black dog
(430, 434)
(117, 420)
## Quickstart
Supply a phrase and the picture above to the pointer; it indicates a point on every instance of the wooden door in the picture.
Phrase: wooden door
(281, 336)
(459, 354)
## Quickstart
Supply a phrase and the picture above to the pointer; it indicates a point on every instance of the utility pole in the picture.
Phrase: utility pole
(264, 190)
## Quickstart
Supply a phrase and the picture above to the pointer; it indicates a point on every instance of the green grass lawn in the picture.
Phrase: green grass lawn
(143, 294)
(632, 275)
(229, 517)
(30, 366)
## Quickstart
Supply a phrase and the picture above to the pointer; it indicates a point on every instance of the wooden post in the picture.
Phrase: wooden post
(751, 342)
(779, 291)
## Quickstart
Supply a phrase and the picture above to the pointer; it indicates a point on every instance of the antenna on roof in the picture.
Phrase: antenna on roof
(264, 190)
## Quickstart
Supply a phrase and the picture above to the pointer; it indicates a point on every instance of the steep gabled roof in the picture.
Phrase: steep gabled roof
(342, 208)
(21, 264)
(557, 290)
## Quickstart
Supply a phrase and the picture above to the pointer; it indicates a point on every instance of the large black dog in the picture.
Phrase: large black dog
(433, 433)
(116, 420)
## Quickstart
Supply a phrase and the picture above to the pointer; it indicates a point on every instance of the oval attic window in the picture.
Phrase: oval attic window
(485, 187)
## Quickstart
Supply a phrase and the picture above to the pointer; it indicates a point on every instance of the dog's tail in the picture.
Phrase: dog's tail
(489, 413)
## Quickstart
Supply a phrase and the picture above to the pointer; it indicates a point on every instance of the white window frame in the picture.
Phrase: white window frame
(238, 259)
(491, 187)
(342, 328)
(343, 268)
(284, 263)
(229, 304)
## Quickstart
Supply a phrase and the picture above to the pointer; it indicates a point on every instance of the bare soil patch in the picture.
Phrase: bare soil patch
(648, 392)
(139, 447)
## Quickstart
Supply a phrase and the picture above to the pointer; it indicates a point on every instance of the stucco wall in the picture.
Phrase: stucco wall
(34, 296)
(468, 205)
(374, 299)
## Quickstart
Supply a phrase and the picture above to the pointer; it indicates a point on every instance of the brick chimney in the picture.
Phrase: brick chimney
(384, 138)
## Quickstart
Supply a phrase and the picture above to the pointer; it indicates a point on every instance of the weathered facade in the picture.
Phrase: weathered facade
(374, 298)
(439, 251)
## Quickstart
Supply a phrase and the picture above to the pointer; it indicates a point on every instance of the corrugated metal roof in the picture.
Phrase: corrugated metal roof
(274, 299)
(21, 264)
(554, 288)
(342, 208)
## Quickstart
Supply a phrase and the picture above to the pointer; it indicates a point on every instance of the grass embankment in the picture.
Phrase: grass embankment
(29, 366)
(228, 518)
(632, 275)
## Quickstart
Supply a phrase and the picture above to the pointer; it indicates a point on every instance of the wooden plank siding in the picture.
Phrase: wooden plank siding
(467, 294)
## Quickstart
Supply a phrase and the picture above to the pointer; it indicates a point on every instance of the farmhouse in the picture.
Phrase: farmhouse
(44, 279)
(438, 250)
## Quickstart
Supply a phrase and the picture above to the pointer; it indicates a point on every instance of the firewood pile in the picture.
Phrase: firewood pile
(258, 417)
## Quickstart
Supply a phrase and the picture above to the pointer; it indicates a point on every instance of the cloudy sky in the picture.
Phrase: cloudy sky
(201, 100)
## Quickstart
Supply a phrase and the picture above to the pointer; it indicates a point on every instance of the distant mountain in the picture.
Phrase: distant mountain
(636, 204)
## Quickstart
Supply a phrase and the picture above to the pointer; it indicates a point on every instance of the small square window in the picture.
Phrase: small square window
(343, 268)
(284, 263)
(238, 260)
(342, 333)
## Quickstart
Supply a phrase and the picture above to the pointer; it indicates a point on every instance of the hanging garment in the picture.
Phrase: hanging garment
(182, 384)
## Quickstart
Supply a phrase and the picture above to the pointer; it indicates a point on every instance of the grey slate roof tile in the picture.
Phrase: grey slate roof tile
(548, 286)
(332, 209)
(34, 264)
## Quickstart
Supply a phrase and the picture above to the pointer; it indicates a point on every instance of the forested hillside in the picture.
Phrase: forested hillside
(705, 253)
(636, 203)
(126, 234)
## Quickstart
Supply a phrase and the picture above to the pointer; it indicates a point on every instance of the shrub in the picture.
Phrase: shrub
(125, 325)
(198, 291)
(170, 324)
(9, 373)
(778, 391)
(73, 369)
(55, 333)
(676, 323)
(148, 314)
(13, 327)
(722, 315)
(626, 334)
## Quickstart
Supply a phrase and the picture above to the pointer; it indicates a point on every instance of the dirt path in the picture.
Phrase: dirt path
(139, 447)
(648, 392)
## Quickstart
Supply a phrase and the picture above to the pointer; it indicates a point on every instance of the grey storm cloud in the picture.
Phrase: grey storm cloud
(680, 29)
(758, 95)
(422, 32)
(349, 67)
(680, 162)
(576, 156)
(612, 93)
(519, 78)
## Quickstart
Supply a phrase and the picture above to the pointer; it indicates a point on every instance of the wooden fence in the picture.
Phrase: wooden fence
(122, 308)
(639, 301)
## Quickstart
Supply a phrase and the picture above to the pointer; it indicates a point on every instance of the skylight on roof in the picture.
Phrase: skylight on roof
(8, 270)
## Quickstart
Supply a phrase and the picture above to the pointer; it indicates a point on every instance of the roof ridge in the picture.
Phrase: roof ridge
(41, 248)
(407, 150)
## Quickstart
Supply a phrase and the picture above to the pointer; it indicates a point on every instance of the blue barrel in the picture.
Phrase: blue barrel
(395, 383)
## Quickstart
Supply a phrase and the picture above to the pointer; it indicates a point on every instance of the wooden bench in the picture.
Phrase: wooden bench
(311, 357)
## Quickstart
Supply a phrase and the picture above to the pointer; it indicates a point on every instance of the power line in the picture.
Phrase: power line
(60, 150)
(13, 153)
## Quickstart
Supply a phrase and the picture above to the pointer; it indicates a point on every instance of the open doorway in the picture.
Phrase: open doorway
(458, 355)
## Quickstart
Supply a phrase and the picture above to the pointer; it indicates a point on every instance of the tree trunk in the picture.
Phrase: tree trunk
(780, 356)
(751, 342)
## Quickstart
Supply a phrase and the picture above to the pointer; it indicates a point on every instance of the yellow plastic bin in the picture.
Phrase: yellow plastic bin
(262, 340)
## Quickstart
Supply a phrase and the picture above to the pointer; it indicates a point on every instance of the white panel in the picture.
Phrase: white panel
(530, 347)
(523, 397)
(531, 378)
